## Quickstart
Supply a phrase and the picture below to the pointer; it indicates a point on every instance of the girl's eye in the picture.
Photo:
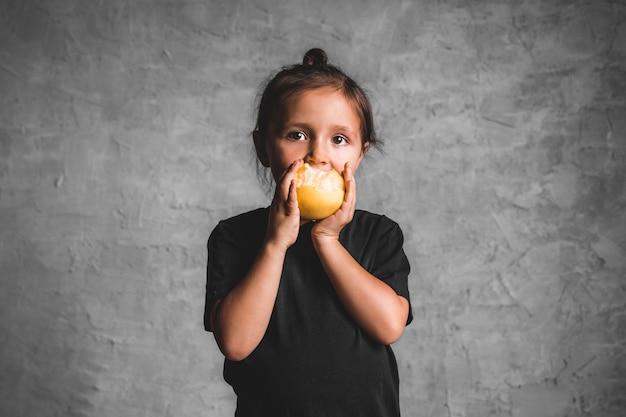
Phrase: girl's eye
(340, 140)
(296, 135)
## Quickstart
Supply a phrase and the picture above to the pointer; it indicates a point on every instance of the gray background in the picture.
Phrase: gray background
(124, 138)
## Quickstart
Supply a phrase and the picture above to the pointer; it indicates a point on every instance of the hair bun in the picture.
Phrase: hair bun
(315, 57)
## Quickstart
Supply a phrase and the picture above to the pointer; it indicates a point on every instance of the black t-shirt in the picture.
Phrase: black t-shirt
(313, 360)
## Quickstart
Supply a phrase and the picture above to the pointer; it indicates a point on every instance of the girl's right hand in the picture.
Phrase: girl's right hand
(284, 218)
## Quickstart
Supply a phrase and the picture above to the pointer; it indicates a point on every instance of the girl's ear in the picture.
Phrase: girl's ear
(259, 146)
(366, 146)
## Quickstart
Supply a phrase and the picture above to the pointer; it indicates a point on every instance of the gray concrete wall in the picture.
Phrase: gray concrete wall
(124, 139)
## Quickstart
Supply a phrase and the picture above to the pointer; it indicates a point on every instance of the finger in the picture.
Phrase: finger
(291, 205)
(348, 177)
(293, 168)
(284, 184)
(347, 171)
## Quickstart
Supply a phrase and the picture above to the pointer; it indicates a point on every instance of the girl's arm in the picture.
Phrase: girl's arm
(372, 303)
(240, 319)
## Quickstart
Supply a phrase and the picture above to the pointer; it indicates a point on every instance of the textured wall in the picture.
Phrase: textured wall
(124, 139)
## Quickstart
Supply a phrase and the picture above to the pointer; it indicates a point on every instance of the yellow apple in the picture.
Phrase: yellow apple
(320, 193)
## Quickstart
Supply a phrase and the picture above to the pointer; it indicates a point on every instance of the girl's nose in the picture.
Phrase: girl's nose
(318, 154)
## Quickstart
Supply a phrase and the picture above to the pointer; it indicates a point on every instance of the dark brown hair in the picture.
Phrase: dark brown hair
(313, 73)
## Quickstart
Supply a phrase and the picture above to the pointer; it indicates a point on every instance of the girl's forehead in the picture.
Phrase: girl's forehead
(327, 96)
(318, 92)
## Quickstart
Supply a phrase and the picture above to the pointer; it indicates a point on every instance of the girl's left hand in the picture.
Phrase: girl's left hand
(332, 225)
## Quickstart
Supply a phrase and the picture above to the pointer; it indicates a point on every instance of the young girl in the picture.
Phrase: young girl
(304, 312)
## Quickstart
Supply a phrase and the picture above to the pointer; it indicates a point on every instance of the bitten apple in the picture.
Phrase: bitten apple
(320, 193)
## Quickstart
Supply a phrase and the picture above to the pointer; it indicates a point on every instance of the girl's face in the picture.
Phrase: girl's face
(319, 126)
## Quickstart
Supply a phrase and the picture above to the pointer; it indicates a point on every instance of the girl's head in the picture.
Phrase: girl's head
(313, 74)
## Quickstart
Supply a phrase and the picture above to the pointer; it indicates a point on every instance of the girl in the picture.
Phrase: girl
(304, 312)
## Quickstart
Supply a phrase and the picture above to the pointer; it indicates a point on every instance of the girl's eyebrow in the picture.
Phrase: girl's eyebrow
(307, 126)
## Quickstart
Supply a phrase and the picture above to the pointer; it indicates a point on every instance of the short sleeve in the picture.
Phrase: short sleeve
(231, 247)
(391, 264)
(219, 264)
(376, 242)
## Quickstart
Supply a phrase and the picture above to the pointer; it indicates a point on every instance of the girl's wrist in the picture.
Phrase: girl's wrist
(275, 246)
(323, 239)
